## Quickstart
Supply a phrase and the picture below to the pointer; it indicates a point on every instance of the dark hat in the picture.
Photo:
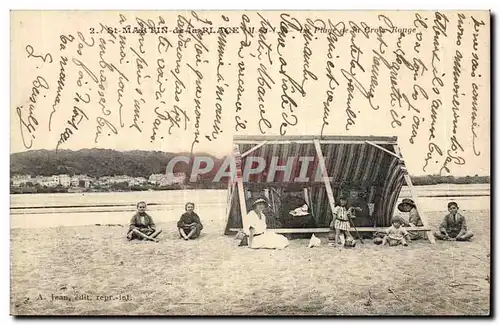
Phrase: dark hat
(259, 200)
(403, 206)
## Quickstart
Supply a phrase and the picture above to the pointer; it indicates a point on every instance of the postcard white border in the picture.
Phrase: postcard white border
(185, 4)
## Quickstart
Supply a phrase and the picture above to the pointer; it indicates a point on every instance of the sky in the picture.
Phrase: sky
(75, 111)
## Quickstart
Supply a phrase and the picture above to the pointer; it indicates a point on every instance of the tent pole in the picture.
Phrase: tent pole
(271, 198)
(230, 188)
(311, 205)
(326, 180)
(413, 193)
(246, 153)
(397, 154)
(242, 199)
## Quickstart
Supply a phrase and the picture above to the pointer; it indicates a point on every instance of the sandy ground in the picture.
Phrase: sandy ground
(212, 276)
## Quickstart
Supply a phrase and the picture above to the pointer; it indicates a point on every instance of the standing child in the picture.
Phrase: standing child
(395, 234)
(341, 223)
(142, 225)
(189, 224)
(453, 226)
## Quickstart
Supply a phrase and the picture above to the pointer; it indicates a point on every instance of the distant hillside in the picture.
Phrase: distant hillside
(438, 179)
(137, 163)
(96, 162)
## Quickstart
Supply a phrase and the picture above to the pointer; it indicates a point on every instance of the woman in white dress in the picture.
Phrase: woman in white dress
(255, 227)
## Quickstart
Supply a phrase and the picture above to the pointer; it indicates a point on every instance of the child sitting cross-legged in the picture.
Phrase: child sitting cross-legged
(454, 226)
(142, 226)
(395, 234)
(189, 224)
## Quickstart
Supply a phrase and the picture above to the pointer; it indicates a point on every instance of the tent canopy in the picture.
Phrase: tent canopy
(367, 164)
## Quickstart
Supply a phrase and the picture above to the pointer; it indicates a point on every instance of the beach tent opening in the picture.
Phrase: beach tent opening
(323, 168)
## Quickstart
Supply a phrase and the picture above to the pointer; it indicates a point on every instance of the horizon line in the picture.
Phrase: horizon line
(130, 150)
(423, 175)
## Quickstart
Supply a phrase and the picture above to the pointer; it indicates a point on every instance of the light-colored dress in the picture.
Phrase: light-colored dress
(397, 236)
(341, 218)
(262, 237)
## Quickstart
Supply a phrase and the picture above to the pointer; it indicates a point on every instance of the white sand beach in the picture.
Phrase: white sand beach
(83, 269)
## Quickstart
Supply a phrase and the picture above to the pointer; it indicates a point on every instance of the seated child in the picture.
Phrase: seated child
(189, 224)
(408, 205)
(142, 225)
(395, 234)
(453, 226)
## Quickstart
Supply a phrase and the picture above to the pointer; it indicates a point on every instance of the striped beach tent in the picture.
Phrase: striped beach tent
(324, 168)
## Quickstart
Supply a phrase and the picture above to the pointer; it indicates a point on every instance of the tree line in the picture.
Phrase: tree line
(141, 163)
(438, 179)
(95, 162)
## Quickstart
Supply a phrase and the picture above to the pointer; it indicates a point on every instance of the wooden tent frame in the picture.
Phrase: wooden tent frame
(260, 141)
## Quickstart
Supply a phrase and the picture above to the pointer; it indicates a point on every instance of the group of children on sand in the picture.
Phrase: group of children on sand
(142, 226)
(453, 227)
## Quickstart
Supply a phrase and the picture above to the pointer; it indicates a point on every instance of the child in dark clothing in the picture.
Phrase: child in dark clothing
(189, 224)
(453, 226)
(142, 225)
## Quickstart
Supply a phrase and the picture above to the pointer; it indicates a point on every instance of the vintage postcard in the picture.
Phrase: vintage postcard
(250, 163)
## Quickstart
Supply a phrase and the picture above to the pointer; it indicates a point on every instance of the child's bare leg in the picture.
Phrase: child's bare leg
(142, 235)
(404, 242)
(439, 235)
(191, 233)
(156, 233)
(183, 233)
(384, 241)
(337, 236)
(343, 237)
(464, 236)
